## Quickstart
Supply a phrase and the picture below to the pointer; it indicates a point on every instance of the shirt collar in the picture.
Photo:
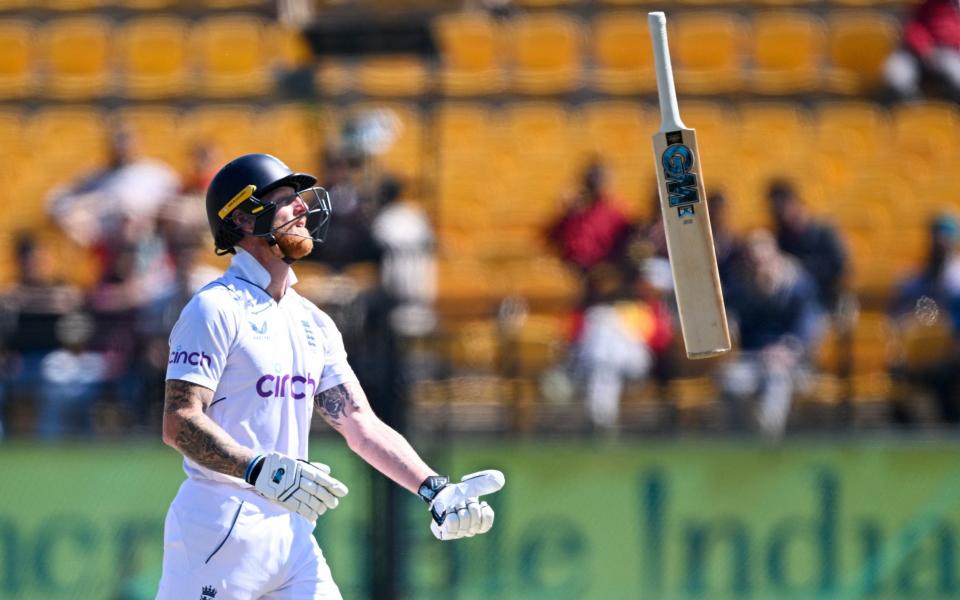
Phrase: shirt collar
(245, 266)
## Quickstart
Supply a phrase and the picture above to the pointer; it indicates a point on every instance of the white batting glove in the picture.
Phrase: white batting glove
(456, 508)
(297, 485)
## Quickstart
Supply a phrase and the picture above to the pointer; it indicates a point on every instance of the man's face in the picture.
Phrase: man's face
(290, 222)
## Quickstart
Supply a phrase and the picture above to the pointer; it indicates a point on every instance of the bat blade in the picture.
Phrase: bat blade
(693, 262)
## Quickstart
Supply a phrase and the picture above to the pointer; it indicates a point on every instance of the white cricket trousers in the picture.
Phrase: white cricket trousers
(224, 538)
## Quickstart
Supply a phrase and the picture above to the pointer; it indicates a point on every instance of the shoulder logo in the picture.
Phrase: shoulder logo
(311, 340)
(260, 329)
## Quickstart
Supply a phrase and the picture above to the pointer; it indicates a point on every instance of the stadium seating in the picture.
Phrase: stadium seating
(17, 61)
(545, 51)
(77, 54)
(229, 127)
(230, 54)
(623, 54)
(153, 55)
(159, 131)
(470, 47)
(787, 51)
(859, 43)
(709, 52)
(393, 76)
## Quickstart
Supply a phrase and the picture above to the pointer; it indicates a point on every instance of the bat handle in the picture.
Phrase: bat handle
(669, 110)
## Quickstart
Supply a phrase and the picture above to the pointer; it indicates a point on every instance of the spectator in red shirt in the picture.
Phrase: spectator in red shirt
(593, 230)
(931, 49)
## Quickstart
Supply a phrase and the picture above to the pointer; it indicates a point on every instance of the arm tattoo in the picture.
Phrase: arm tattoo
(198, 437)
(335, 403)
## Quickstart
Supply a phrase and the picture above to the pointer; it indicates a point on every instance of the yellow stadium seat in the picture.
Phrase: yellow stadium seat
(776, 135)
(619, 133)
(17, 68)
(291, 132)
(159, 130)
(852, 137)
(67, 141)
(77, 53)
(11, 5)
(470, 52)
(926, 135)
(708, 52)
(230, 128)
(538, 155)
(463, 129)
(545, 52)
(231, 57)
(623, 53)
(289, 47)
(73, 5)
(718, 138)
(146, 4)
(859, 44)
(787, 50)
(153, 53)
(397, 75)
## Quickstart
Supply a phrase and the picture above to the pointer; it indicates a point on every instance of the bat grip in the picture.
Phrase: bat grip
(669, 110)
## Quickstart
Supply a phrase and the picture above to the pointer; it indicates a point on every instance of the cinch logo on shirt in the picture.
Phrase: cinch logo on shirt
(189, 358)
(277, 385)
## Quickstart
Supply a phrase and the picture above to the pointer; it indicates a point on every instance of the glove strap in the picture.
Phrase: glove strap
(253, 469)
(431, 486)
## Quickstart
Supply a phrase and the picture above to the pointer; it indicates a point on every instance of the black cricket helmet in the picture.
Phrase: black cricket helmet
(243, 182)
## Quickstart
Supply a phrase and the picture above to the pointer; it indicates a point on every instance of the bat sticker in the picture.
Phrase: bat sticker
(677, 162)
(685, 211)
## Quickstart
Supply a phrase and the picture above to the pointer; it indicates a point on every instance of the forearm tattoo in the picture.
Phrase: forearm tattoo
(199, 438)
(335, 403)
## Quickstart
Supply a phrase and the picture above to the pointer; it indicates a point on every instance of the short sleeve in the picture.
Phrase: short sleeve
(336, 369)
(201, 339)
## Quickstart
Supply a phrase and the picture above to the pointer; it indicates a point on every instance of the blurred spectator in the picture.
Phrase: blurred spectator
(31, 308)
(727, 244)
(925, 299)
(773, 302)
(617, 341)
(592, 230)
(815, 244)
(408, 269)
(349, 240)
(71, 379)
(93, 210)
(204, 164)
(931, 50)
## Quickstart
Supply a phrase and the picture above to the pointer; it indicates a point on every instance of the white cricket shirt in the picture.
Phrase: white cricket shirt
(264, 360)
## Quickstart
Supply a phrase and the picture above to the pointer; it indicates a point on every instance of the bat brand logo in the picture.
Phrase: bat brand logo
(681, 183)
(208, 593)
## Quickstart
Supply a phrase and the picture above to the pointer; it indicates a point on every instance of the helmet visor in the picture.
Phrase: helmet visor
(313, 206)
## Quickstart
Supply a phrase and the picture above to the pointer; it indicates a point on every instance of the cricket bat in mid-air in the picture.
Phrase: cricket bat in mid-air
(686, 221)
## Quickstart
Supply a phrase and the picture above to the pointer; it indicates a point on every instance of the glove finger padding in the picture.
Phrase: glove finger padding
(324, 479)
(320, 493)
(486, 517)
(474, 521)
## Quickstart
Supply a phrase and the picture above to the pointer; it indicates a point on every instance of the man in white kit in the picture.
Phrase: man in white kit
(250, 362)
